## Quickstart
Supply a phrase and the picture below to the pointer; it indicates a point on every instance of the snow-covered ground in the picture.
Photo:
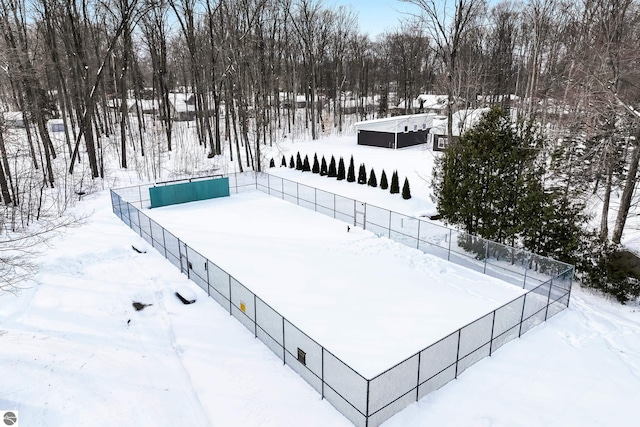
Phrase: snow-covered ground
(370, 301)
(75, 352)
(415, 163)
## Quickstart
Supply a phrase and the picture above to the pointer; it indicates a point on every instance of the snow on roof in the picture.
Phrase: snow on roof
(432, 102)
(285, 95)
(428, 102)
(148, 104)
(414, 104)
(144, 104)
(182, 102)
(181, 96)
(498, 98)
(439, 125)
(462, 120)
(115, 103)
(352, 102)
(397, 123)
(13, 116)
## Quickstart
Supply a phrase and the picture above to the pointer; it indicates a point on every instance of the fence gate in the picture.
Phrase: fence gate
(360, 214)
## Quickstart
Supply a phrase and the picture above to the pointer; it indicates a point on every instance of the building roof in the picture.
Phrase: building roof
(350, 100)
(297, 98)
(182, 102)
(498, 98)
(144, 104)
(56, 125)
(462, 120)
(13, 116)
(432, 102)
(428, 101)
(397, 123)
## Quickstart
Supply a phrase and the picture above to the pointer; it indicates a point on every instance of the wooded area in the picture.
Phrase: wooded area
(113, 72)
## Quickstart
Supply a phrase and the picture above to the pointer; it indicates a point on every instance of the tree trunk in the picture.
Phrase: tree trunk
(604, 220)
(627, 193)
(124, 105)
(5, 174)
(90, 92)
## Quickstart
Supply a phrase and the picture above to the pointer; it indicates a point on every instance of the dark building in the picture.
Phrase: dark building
(395, 132)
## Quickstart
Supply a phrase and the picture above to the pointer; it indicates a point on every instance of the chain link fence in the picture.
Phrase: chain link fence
(368, 401)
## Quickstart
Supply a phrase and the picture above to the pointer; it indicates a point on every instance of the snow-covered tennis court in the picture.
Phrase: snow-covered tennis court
(370, 301)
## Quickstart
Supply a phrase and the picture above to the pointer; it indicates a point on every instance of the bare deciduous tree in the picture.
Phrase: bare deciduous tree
(448, 23)
(18, 250)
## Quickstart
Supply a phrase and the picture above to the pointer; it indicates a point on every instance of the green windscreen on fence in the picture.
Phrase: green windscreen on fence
(185, 192)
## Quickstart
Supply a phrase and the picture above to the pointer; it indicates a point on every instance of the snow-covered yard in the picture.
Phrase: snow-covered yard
(75, 351)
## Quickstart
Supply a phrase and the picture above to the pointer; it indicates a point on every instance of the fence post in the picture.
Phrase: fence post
(486, 254)
(449, 251)
(355, 212)
(164, 242)
(546, 311)
(139, 224)
(129, 216)
(269, 184)
(389, 224)
(418, 383)
(206, 267)
(458, 352)
(493, 324)
(364, 217)
(367, 414)
(570, 285)
(255, 316)
(418, 236)
(186, 255)
(322, 369)
(230, 303)
(284, 346)
(334, 205)
(524, 304)
(180, 254)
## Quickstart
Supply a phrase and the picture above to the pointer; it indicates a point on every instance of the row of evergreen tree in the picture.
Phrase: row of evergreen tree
(340, 174)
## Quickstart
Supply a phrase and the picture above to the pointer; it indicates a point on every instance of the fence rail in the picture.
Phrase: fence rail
(368, 401)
